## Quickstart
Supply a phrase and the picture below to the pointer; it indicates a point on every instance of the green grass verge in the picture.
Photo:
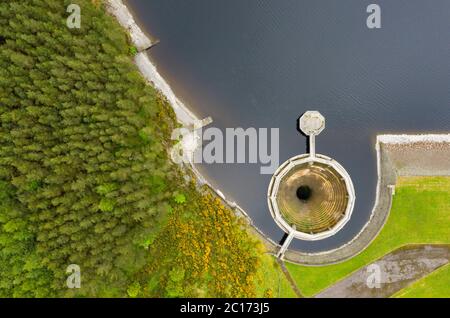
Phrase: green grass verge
(420, 215)
(435, 285)
(271, 281)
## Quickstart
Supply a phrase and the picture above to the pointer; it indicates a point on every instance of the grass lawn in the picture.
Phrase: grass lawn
(270, 276)
(435, 285)
(420, 214)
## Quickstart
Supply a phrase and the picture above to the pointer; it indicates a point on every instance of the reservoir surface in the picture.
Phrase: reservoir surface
(262, 63)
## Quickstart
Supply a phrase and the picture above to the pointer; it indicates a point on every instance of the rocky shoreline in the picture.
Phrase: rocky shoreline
(419, 155)
(142, 42)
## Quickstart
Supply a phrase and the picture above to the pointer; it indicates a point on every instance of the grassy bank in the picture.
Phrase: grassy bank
(420, 214)
(270, 280)
(435, 285)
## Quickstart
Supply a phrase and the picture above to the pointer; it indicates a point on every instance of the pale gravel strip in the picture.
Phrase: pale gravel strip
(145, 66)
(410, 139)
(149, 71)
(126, 20)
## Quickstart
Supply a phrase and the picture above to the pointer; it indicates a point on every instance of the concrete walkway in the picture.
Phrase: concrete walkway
(397, 270)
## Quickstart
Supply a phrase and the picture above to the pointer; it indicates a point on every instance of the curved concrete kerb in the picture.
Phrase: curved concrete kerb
(311, 124)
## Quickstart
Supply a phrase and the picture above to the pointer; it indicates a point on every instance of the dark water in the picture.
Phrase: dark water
(261, 63)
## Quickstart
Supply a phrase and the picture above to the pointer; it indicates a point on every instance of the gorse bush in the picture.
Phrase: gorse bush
(203, 251)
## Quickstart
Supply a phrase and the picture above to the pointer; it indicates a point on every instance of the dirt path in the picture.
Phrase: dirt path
(290, 279)
(397, 270)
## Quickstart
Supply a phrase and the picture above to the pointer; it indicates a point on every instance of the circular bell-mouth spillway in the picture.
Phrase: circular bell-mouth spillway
(311, 196)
